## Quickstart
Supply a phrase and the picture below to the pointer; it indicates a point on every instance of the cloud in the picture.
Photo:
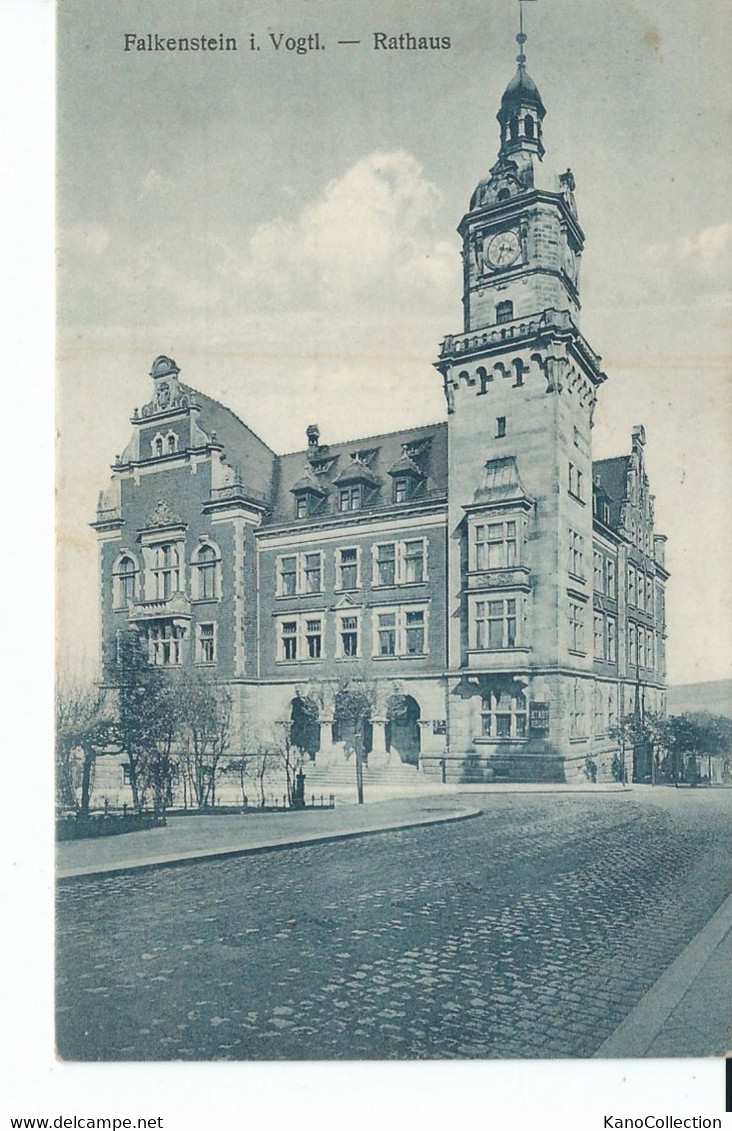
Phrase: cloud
(372, 230)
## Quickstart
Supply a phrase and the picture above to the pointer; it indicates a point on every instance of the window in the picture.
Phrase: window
(597, 575)
(632, 594)
(206, 573)
(172, 442)
(159, 446)
(348, 637)
(386, 633)
(598, 713)
(313, 638)
(504, 715)
(401, 490)
(349, 498)
(650, 649)
(649, 594)
(641, 647)
(313, 573)
(504, 311)
(610, 578)
(300, 573)
(496, 545)
(578, 714)
(415, 632)
(575, 482)
(125, 581)
(386, 564)
(166, 572)
(206, 644)
(599, 637)
(612, 708)
(414, 561)
(400, 563)
(300, 638)
(631, 644)
(126, 774)
(500, 427)
(347, 568)
(288, 576)
(612, 640)
(400, 632)
(495, 623)
(576, 554)
(288, 639)
(165, 642)
(529, 126)
(576, 626)
(301, 506)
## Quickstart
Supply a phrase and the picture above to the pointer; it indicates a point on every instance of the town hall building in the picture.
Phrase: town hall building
(482, 573)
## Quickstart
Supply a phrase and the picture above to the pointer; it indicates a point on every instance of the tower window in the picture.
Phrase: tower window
(504, 311)
(500, 427)
(529, 126)
(158, 447)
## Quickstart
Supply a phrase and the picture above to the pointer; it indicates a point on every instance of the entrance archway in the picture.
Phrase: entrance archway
(305, 728)
(402, 730)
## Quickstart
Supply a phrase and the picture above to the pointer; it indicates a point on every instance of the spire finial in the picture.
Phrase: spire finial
(521, 37)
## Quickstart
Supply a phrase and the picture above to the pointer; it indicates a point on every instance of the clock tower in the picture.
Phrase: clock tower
(521, 387)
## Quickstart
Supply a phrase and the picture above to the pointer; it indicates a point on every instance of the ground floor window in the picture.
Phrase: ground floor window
(206, 644)
(165, 642)
(504, 715)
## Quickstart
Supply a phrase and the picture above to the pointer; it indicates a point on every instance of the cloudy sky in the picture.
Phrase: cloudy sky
(284, 226)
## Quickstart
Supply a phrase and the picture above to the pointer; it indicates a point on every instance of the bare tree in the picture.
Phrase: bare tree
(205, 715)
(83, 722)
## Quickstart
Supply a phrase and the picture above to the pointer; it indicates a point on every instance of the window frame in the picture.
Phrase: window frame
(482, 617)
(577, 626)
(401, 560)
(201, 640)
(517, 712)
(479, 547)
(339, 567)
(341, 616)
(208, 568)
(120, 599)
(400, 630)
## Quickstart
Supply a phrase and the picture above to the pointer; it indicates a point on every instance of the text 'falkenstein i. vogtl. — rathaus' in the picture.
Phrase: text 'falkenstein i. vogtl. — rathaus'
(482, 573)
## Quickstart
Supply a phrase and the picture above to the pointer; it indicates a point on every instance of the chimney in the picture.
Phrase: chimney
(313, 434)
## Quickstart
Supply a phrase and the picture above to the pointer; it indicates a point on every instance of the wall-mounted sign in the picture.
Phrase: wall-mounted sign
(539, 717)
(439, 726)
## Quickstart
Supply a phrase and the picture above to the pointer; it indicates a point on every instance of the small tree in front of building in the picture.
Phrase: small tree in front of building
(84, 723)
(205, 710)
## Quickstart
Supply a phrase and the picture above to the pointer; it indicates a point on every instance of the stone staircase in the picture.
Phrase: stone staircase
(392, 778)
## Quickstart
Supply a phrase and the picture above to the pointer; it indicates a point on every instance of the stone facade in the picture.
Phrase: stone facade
(483, 573)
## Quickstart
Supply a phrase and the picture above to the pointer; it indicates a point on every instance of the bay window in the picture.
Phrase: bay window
(504, 715)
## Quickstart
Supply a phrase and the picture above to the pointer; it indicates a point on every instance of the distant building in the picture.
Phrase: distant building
(482, 572)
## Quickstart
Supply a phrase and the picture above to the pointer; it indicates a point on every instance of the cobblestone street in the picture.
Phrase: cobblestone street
(529, 931)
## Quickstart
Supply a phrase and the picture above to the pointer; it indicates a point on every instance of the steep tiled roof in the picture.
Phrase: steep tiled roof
(243, 447)
(426, 446)
(612, 476)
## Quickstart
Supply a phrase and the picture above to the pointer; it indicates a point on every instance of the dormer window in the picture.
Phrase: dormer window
(301, 507)
(350, 498)
(504, 311)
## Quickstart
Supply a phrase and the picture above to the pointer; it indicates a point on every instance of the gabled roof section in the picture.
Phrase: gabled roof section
(356, 472)
(425, 446)
(611, 476)
(309, 482)
(244, 449)
(502, 483)
(405, 465)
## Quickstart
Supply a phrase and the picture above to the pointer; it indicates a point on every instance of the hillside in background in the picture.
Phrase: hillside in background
(714, 696)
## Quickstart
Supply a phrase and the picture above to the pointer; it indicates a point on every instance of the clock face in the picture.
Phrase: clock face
(503, 250)
(570, 263)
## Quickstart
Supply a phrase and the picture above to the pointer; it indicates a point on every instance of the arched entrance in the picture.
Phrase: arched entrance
(402, 730)
(305, 728)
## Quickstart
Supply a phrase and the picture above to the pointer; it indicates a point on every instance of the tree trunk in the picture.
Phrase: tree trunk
(89, 759)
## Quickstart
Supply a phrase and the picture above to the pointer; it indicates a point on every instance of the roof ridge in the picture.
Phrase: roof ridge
(231, 412)
(375, 436)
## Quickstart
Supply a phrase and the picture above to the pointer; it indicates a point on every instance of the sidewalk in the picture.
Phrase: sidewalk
(186, 839)
(689, 1006)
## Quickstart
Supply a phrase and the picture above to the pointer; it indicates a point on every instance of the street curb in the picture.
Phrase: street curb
(94, 873)
(635, 1035)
